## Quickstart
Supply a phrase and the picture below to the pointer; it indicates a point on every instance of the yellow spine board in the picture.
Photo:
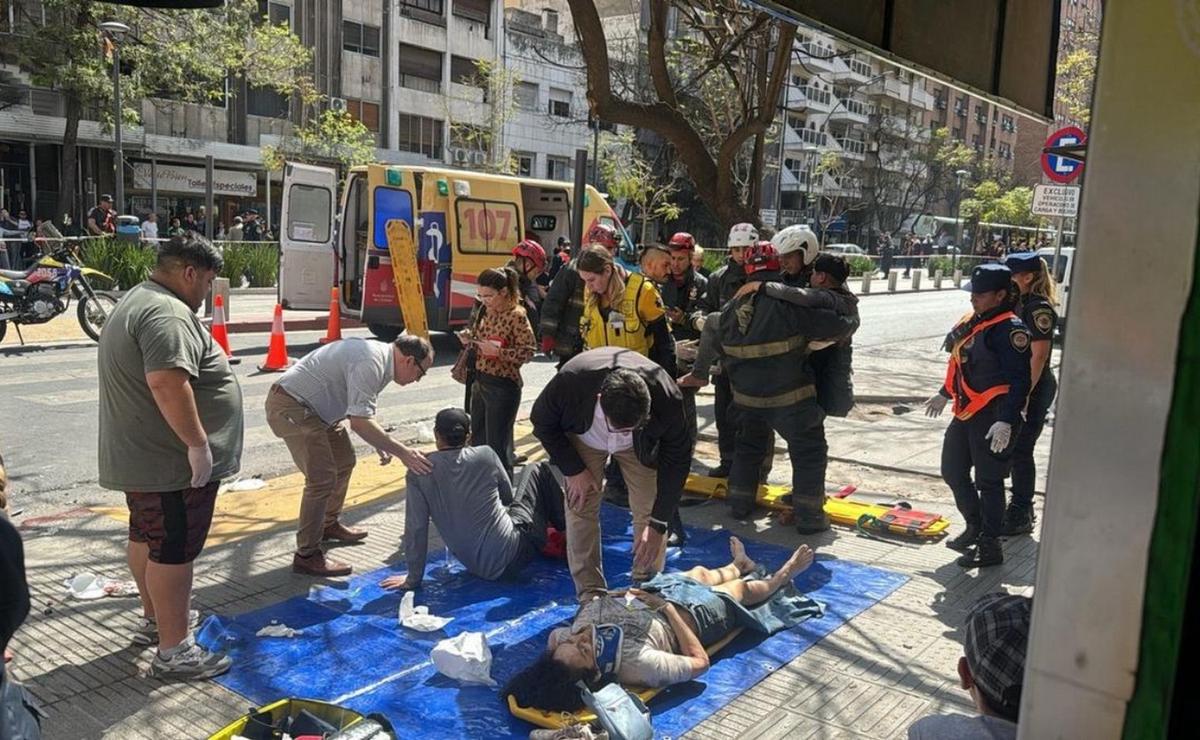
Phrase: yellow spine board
(406, 278)
(555, 720)
(840, 511)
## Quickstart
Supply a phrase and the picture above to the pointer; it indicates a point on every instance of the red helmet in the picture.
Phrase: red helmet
(682, 240)
(531, 250)
(761, 256)
(604, 235)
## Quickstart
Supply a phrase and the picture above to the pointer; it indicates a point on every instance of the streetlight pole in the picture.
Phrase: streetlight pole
(959, 177)
(115, 30)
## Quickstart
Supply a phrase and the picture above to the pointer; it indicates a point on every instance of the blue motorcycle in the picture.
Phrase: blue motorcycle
(45, 290)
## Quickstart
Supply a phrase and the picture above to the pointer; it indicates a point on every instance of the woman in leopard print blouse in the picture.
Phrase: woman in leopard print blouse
(504, 341)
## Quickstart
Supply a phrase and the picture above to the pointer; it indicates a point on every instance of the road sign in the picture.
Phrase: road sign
(1058, 168)
(768, 216)
(1056, 200)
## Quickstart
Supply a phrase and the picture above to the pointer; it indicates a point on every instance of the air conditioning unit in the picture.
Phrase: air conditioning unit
(338, 104)
(478, 158)
(460, 155)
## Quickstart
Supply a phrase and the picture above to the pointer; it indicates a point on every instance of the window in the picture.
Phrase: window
(314, 203)
(957, 133)
(275, 13)
(364, 112)
(479, 11)
(526, 94)
(487, 226)
(551, 20)
(265, 101)
(360, 38)
(429, 11)
(420, 68)
(421, 135)
(560, 102)
(558, 168)
(525, 163)
(1007, 123)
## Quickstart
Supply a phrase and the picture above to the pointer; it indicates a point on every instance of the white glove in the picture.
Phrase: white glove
(935, 405)
(200, 458)
(1000, 434)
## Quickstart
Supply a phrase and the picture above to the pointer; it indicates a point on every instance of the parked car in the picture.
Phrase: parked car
(844, 249)
(1062, 275)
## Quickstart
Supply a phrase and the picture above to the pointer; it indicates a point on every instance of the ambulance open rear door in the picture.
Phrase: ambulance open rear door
(306, 237)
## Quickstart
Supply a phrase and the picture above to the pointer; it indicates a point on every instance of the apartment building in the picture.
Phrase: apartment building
(405, 68)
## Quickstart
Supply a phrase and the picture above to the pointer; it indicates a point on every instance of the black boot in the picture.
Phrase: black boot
(721, 471)
(809, 513)
(966, 540)
(1018, 520)
(741, 507)
(987, 551)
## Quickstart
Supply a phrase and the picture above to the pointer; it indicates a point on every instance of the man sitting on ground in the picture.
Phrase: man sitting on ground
(992, 670)
(492, 529)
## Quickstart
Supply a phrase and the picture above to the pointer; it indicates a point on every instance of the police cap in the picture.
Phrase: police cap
(1024, 262)
(989, 277)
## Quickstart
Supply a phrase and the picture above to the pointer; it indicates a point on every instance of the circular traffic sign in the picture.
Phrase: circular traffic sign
(1058, 168)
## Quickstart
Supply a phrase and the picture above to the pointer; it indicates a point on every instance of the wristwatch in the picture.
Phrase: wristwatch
(657, 526)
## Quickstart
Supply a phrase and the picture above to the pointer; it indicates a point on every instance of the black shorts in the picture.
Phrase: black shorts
(173, 524)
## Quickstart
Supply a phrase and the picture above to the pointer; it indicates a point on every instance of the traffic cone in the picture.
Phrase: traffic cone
(334, 331)
(277, 359)
(219, 333)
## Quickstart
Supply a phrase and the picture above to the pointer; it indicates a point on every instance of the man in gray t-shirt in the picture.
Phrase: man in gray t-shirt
(170, 429)
(310, 408)
(493, 530)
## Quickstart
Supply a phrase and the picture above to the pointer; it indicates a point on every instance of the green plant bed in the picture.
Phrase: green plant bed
(262, 265)
(127, 263)
(859, 265)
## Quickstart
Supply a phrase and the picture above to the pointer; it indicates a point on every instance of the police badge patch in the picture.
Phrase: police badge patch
(1043, 319)
(1019, 338)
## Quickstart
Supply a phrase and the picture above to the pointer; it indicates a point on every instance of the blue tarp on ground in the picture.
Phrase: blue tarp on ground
(352, 650)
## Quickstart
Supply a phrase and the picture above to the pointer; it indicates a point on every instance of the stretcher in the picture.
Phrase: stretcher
(272, 720)
(894, 519)
(407, 278)
(555, 720)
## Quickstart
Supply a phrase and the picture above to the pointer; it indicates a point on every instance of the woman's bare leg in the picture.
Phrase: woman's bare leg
(752, 593)
(738, 567)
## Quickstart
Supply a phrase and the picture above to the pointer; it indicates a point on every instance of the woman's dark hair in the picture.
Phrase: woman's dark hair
(501, 278)
(550, 685)
(624, 398)
(594, 259)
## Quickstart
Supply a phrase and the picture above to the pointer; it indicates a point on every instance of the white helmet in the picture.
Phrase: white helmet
(743, 235)
(798, 238)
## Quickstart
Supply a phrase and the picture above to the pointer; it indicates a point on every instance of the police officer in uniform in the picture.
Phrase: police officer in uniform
(988, 382)
(1039, 295)
(764, 350)
(722, 284)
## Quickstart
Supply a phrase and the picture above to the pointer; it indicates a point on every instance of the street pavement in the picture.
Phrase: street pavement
(890, 665)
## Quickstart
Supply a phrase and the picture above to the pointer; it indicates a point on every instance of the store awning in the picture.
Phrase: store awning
(1004, 50)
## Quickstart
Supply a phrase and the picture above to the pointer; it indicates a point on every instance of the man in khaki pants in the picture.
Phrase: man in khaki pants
(613, 402)
(307, 408)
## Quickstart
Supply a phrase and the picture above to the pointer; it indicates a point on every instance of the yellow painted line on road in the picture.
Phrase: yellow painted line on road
(241, 514)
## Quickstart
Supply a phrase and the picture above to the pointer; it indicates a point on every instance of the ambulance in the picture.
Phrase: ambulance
(461, 222)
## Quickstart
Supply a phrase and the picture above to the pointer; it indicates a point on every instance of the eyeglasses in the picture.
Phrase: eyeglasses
(421, 368)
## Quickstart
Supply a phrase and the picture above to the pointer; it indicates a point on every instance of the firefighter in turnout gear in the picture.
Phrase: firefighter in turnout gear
(764, 350)
(988, 381)
(722, 284)
(684, 289)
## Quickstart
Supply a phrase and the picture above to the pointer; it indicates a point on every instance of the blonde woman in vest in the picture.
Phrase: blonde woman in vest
(625, 310)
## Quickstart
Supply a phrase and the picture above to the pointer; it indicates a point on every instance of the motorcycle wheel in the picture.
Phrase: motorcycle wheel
(3, 329)
(93, 311)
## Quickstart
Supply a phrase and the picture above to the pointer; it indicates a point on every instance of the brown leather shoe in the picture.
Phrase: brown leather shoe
(342, 533)
(317, 565)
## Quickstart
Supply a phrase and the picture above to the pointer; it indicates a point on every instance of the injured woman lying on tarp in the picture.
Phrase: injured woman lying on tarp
(656, 636)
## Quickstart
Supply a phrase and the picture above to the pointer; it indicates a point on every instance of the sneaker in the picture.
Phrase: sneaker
(570, 732)
(145, 632)
(1018, 520)
(189, 662)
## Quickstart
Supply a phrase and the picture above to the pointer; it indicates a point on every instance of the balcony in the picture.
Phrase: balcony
(853, 148)
(799, 138)
(815, 98)
(850, 111)
(815, 57)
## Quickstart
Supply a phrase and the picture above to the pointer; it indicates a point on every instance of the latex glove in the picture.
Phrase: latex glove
(1000, 434)
(578, 487)
(547, 345)
(935, 405)
(201, 462)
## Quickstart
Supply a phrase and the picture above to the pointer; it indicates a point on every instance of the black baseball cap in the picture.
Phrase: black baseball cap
(834, 265)
(452, 423)
(989, 277)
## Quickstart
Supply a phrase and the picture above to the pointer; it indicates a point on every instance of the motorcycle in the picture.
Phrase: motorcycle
(36, 295)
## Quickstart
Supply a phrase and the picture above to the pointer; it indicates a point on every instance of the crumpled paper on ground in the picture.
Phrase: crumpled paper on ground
(275, 629)
(419, 618)
(465, 657)
(87, 586)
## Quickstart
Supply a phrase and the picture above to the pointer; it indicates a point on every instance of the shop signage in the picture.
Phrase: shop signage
(173, 178)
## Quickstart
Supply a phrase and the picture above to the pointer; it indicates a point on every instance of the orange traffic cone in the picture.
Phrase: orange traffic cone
(219, 333)
(334, 331)
(277, 359)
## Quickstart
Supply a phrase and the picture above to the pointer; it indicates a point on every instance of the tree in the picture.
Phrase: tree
(185, 54)
(910, 174)
(843, 174)
(328, 136)
(629, 176)
(990, 202)
(721, 45)
(496, 84)
(1076, 74)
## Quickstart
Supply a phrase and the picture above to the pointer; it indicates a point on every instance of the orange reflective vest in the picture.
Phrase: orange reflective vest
(967, 400)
